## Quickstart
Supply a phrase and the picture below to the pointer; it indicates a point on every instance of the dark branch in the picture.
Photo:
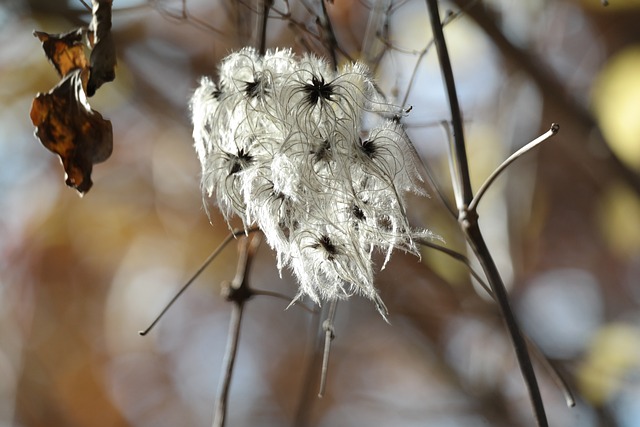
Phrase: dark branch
(469, 220)
(327, 327)
(464, 182)
(238, 292)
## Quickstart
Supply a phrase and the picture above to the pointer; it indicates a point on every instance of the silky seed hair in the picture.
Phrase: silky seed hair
(281, 145)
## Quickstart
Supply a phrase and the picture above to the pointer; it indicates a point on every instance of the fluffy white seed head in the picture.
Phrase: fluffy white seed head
(281, 145)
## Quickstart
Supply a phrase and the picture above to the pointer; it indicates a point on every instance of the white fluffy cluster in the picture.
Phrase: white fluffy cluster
(281, 144)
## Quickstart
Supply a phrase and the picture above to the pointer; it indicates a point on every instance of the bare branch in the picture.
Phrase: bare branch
(238, 292)
(329, 35)
(220, 413)
(307, 394)
(262, 25)
(461, 166)
(555, 128)
(533, 348)
(469, 220)
(563, 106)
(204, 265)
(329, 335)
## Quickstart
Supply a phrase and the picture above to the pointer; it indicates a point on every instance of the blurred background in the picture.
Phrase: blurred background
(79, 277)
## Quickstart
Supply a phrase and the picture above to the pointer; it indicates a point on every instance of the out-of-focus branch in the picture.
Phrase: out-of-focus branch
(533, 347)
(579, 126)
(329, 35)
(307, 394)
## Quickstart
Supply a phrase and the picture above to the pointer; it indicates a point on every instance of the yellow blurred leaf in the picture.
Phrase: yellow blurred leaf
(67, 126)
(615, 102)
(617, 217)
(612, 354)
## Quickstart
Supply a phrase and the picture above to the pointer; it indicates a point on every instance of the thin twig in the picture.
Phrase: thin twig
(308, 395)
(469, 220)
(458, 257)
(329, 35)
(283, 297)
(462, 167)
(512, 158)
(376, 34)
(457, 196)
(562, 103)
(262, 25)
(450, 18)
(203, 266)
(237, 292)
(533, 347)
(220, 413)
(479, 247)
(412, 79)
(552, 371)
(182, 15)
(302, 33)
(329, 335)
(86, 5)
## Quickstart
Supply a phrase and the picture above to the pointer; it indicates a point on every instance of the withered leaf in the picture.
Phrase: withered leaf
(65, 51)
(67, 126)
(103, 53)
(64, 120)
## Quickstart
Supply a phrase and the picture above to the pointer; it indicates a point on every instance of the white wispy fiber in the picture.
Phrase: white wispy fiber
(281, 145)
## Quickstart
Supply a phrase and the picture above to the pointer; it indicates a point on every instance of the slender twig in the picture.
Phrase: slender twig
(457, 196)
(182, 15)
(450, 18)
(283, 297)
(469, 220)
(327, 327)
(329, 35)
(479, 247)
(552, 371)
(458, 257)
(412, 79)
(533, 348)
(375, 37)
(308, 395)
(86, 5)
(262, 25)
(302, 33)
(203, 266)
(562, 103)
(237, 292)
(512, 158)
(220, 413)
(434, 183)
(462, 167)
(426, 175)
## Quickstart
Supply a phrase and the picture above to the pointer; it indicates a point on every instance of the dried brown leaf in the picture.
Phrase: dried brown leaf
(65, 51)
(67, 126)
(103, 53)
(64, 120)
